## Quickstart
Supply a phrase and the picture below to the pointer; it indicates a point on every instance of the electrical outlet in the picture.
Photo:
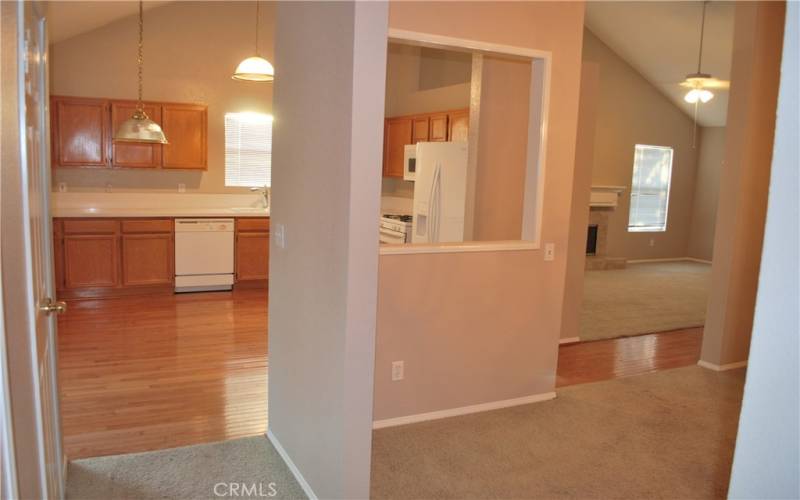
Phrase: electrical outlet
(109, 187)
(652, 242)
(397, 371)
(62, 187)
(280, 235)
(181, 187)
(549, 251)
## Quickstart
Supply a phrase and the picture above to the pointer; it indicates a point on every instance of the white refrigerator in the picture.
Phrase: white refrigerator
(440, 192)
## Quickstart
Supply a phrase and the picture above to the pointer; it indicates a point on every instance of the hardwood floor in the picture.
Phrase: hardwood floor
(606, 359)
(159, 371)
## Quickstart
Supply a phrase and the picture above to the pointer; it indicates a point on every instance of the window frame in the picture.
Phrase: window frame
(635, 191)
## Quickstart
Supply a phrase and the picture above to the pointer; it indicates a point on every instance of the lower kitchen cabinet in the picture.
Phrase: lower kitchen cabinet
(252, 251)
(90, 260)
(147, 259)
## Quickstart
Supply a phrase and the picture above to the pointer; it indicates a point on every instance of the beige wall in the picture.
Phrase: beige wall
(422, 80)
(480, 327)
(502, 149)
(323, 283)
(185, 62)
(710, 164)
(631, 111)
(581, 192)
(743, 191)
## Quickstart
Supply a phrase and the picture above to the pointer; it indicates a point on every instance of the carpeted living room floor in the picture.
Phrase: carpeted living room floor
(668, 434)
(644, 298)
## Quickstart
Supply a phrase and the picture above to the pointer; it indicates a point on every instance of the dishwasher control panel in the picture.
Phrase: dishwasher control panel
(203, 225)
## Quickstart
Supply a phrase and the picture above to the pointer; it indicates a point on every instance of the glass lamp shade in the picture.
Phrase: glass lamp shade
(140, 128)
(702, 95)
(254, 69)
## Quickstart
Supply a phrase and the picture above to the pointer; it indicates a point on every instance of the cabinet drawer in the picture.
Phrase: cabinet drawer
(252, 224)
(91, 226)
(147, 226)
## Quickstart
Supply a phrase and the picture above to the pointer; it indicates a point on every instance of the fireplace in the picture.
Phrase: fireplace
(591, 240)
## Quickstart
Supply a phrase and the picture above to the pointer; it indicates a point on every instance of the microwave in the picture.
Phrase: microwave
(410, 162)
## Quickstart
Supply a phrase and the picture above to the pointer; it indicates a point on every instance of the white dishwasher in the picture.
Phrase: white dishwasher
(203, 254)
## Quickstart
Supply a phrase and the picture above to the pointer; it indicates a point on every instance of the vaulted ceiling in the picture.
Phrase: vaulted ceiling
(66, 19)
(661, 40)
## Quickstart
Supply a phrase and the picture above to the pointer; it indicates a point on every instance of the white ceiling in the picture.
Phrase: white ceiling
(661, 41)
(66, 19)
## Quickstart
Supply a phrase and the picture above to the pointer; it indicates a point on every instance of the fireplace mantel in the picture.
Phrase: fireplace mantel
(605, 196)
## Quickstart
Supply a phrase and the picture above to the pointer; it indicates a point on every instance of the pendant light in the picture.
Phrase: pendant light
(698, 82)
(139, 127)
(255, 68)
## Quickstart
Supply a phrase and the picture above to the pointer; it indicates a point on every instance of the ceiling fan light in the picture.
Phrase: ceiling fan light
(692, 96)
(705, 95)
(254, 69)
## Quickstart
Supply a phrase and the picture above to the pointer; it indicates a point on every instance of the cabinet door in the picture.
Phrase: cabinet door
(458, 126)
(58, 253)
(91, 260)
(132, 155)
(147, 259)
(438, 128)
(397, 135)
(420, 129)
(252, 256)
(186, 128)
(79, 132)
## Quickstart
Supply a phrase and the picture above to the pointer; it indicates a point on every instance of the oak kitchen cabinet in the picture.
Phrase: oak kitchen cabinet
(400, 131)
(252, 251)
(95, 257)
(82, 130)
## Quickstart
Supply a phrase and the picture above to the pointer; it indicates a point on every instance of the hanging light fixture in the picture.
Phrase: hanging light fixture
(255, 68)
(139, 127)
(699, 82)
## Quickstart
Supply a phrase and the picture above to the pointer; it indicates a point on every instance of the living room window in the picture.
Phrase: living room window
(248, 149)
(652, 172)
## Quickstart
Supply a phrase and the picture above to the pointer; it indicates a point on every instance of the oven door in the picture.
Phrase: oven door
(410, 162)
(390, 236)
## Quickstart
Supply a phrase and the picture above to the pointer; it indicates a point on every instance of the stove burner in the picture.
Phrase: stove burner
(401, 218)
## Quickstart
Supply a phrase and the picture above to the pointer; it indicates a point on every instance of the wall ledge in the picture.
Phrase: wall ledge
(721, 368)
(472, 246)
(463, 410)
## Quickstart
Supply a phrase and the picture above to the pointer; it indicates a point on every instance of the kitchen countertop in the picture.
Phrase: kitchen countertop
(157, 212)
(156, 205)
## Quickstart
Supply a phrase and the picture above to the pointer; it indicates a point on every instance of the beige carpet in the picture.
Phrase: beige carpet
(663, 435)
(190, 472)
(644, 298)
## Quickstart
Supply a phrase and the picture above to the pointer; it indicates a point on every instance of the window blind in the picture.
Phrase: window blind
(248, 149)
(652, 172)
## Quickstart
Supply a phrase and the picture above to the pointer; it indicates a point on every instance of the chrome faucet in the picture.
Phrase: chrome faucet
(265, 193)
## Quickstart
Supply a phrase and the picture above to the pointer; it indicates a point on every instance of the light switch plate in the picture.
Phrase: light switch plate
(549, 251)
(397, 371)
(62, 187)
(181, 187)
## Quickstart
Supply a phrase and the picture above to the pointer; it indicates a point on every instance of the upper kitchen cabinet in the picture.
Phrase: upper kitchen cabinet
(397, 134)
(83, 129)
(421, 124)
(438, 128)
(458, 126)
(129, 154)
(186, 128)
(80, 132)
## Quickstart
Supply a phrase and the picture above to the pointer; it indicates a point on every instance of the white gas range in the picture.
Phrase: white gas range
(395, 228)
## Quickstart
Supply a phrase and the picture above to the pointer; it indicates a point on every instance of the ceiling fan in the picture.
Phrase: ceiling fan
(701, 84)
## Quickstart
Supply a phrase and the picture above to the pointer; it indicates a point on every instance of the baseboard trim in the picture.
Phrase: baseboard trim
(721, 368)
(292, 467)
(701, 261)
(569, 340)
(463, 410)
(668, 259)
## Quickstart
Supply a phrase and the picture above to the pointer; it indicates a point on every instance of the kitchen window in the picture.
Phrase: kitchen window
(248, 149)
(652, 172)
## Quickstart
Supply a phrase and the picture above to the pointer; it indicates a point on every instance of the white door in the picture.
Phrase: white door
(34, 124)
